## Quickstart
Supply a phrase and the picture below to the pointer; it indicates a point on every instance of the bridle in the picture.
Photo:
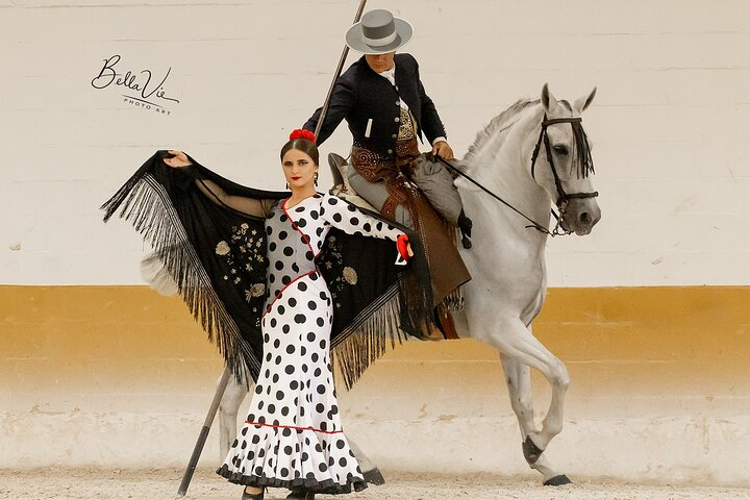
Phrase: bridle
(583, 149)
(563, 198)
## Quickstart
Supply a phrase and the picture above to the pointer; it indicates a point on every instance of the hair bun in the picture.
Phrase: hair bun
(302, 134)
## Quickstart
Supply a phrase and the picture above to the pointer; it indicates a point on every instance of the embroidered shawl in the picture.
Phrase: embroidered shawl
(218, 258)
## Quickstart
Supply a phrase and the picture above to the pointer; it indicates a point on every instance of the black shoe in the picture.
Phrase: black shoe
(300, 493)
(252, 496)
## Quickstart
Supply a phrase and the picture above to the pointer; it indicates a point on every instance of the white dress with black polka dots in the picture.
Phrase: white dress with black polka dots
(293, 435)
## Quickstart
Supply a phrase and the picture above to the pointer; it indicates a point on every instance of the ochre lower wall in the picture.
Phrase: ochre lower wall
(122, 376)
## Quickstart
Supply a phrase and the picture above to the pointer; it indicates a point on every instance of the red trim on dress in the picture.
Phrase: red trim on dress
(294, 224)
(293, 427)
(270, 306)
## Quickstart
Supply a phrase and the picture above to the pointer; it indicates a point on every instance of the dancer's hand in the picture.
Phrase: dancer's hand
(179, 160)
(409, 250)
(443, 150)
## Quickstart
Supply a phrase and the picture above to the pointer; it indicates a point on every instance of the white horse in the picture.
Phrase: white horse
(507, 260)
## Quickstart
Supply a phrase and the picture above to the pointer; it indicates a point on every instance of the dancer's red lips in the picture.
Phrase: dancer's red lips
(296, 178)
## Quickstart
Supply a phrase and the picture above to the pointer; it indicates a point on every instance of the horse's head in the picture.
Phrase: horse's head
(562, 163)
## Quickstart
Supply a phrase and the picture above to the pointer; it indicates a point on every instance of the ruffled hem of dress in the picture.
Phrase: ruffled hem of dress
(327, 487)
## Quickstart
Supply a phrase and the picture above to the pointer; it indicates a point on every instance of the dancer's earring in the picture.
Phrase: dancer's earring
(315, 178)
(287, 186)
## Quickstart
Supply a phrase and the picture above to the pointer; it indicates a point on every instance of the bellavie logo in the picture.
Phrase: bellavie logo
(143, 92)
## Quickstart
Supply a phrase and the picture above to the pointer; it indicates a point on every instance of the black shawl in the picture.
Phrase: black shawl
(217, 256)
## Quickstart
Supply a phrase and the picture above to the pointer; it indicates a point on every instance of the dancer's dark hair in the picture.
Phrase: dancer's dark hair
(302, 140)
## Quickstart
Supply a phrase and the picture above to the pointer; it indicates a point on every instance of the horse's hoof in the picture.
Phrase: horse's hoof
(558, 480)
(531, 452)
(374, 477)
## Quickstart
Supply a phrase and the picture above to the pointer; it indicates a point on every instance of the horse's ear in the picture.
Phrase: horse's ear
(548, 100)
(583, 102)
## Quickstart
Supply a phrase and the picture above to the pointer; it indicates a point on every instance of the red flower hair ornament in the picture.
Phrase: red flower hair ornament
(302, 134)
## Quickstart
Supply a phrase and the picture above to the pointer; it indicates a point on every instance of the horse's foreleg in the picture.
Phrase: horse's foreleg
(230, 404)
(520, 348)
(518, 379)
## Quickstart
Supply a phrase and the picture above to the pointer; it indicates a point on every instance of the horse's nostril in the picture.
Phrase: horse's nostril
(584, 218)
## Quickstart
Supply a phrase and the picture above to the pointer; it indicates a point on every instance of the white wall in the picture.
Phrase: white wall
(668, 124)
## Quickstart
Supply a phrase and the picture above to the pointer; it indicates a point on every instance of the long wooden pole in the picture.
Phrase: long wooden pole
(190, 469)
(339, 67)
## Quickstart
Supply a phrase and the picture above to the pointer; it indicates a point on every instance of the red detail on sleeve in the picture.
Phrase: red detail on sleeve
(402, 243)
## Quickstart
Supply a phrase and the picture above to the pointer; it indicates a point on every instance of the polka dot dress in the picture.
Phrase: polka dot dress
(293, 435)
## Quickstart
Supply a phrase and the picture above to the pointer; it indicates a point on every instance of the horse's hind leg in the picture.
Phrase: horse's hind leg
(518, 379)
(370, 472)
(230, 404)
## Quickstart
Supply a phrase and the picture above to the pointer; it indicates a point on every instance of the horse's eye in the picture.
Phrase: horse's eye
(561, 150)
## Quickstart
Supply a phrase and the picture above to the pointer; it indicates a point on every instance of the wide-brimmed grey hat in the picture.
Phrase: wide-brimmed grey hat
(378, 33)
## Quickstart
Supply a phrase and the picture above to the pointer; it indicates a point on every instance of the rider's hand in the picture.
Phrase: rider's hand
(180, 159)
(443, 150)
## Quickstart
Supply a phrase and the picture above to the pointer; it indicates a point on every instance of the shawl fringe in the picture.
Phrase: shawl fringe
(144, 202)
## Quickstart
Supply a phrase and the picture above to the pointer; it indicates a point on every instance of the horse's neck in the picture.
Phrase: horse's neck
(503, 165)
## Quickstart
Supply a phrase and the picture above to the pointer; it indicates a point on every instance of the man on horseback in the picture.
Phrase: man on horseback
(385, 105)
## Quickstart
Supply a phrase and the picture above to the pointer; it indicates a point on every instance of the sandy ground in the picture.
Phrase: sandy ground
(59, 484)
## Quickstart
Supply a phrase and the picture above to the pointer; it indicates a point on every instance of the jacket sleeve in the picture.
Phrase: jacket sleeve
(431, 123)
(351, 220)
(342, 101)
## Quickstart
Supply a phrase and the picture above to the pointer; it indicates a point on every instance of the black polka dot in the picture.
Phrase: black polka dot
(299, 318)
(272, 246)
(320, 322)
(286, 280)
(320, 408)
(312, 305)
(288, 251)
(271, 408)
(321, 388)
(283, 235)
(290, 349)
(293, 385)
(301, 286)
(279, 395)
(285, 328)
(311, 337)
(367, 227)
(342, 462)
(354, 221)
(337, 218)
(289, 369)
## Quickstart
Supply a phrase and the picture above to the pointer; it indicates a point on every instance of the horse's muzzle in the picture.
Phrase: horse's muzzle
(581, 215)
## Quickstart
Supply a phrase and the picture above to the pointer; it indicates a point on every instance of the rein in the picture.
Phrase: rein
(585, 166)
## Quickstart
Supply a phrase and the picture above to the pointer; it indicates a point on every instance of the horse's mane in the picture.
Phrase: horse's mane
(498, 125)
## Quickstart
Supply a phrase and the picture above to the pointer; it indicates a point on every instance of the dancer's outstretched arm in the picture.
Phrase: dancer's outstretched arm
(214, 192)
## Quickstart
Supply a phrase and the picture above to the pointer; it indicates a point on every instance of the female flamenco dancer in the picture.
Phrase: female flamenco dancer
(293, 435)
